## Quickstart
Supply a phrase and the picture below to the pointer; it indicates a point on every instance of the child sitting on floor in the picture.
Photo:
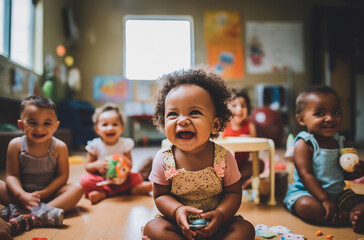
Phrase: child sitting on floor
(109, 125)
(240, 126)
(317, 193)
(194, 178)
(36, 192)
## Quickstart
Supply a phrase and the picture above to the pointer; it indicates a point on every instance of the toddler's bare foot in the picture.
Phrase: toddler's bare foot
(96, 196)
(357, 221)
(144, 188)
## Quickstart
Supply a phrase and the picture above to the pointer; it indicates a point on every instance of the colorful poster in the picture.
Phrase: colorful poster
(222, 27)
(274, 47)
(112, 88)
(227, 60)
(224, 46)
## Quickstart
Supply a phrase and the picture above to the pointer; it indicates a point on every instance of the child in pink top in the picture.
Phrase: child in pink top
(194, 179)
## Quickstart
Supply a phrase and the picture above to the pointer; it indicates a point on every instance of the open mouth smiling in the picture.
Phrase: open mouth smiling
(38, 135)
(185, 135)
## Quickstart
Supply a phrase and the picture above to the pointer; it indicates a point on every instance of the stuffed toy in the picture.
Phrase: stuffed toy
(119, 168)
(348, 159)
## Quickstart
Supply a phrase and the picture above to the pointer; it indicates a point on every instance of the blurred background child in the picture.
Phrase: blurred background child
(109, 124)
(240, 126)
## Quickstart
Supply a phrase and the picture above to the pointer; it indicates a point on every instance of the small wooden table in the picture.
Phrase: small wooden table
(254, 145)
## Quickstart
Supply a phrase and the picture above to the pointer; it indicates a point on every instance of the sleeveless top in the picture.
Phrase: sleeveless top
(36, 172)
(201, 189)
(326, 168)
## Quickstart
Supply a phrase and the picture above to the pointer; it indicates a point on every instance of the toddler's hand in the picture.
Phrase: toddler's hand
(29, 200)
(102, 166)
(216, 219)
(332, 210)
(181, 218)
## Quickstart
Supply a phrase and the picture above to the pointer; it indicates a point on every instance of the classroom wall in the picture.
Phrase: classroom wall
(99, 50)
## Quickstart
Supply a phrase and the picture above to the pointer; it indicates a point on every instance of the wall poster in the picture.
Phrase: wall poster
(223, 39)
(274, 47)
(112, 88)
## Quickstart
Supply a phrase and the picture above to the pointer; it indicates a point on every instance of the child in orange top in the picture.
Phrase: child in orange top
(109, 125)
(194, 178)
(240, 126)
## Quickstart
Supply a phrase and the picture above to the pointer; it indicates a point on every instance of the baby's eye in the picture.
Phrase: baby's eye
(319, 114)
(32, 123)
(172, 114)
(195, 112)
(47, 124)
(337, 113)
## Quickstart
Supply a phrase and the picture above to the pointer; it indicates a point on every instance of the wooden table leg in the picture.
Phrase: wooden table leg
(255, 177)
(272, 199)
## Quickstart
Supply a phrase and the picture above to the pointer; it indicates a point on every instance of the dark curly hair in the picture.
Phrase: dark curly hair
(211, 82)
(301, 98)
(244, 94)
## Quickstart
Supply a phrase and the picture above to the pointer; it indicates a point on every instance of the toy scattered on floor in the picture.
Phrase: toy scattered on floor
(265, 231)
(329, 236)
(348, 159)
(292, 236)
(318, 233)
(119, 168)
(198, 223)
(75, 159)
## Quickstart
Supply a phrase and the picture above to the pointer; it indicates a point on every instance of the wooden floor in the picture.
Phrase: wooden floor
(121, 218)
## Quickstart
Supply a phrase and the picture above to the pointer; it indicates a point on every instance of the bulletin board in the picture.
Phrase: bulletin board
(274, 47)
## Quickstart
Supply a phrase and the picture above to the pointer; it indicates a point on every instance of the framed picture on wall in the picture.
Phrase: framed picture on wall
(112, 88)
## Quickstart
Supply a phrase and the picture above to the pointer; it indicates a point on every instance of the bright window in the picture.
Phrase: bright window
(17, 31)
(21, 40)
(156, 45)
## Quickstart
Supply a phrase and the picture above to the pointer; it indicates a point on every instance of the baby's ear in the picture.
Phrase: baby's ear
(299, 119)
(216, 126)
(20, 124)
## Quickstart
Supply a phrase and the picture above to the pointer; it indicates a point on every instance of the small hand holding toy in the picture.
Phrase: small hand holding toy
(348, 159)
(119, 168)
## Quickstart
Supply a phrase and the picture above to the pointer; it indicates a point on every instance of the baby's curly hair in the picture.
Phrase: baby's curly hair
(107, 107)
(220, 94)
